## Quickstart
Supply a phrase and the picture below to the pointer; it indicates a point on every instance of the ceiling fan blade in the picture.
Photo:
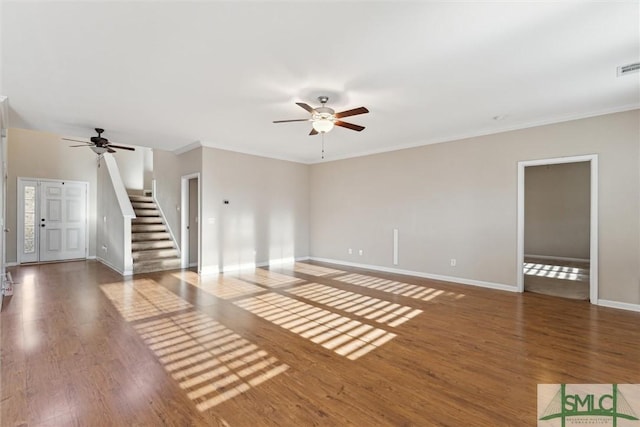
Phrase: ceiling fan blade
(313, 132)
(109, 150)
(349, 125)
(354, 112)
(293, 120)
(84, 145)
(120, 147)
(305, 106)
(76, 140)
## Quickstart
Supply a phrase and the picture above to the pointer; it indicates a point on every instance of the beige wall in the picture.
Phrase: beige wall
(33, 154)
(458, 200)
(168, 169)
(267, 215)
(557, 212)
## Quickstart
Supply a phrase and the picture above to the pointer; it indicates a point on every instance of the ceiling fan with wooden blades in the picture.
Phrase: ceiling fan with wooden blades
(323, 118)
(99, 144)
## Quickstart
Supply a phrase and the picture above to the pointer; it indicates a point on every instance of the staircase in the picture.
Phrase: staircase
(152, 247)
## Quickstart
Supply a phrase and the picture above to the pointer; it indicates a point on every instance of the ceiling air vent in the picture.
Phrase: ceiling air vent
(623, 70)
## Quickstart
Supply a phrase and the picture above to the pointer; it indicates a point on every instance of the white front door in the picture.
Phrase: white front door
(52, 220)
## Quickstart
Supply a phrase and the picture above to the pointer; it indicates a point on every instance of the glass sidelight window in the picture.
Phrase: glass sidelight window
(29, 242)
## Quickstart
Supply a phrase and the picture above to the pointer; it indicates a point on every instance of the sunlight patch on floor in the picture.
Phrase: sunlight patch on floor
(314, 270)
(142, 298)
(371, 308)
(556, 271)
(222, 286)
(344, 336)
(396, 288)
(209, 361)
(267, 278)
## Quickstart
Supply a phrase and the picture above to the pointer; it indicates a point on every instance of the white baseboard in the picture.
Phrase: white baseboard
(619, 305)
(215, 269)
(458, 280)
(91, 257)
(11, 264)
(114, 268)
(209, 269)
(559, 258)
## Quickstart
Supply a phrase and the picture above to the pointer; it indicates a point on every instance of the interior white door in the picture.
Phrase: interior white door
(63, 220)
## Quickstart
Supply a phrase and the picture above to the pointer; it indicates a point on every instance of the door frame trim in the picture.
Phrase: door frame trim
(184, 219)
(593, 237)
(19, 220)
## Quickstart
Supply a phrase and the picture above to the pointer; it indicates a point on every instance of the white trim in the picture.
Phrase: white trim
(454, 280)
(619, 305)
(559, 258)
(234, 149)
(114, 268)
(184, 218)
(11, 264)
(451, 138)
(19, 219)
(593, 245)
(215, 269)
(164, 220)
(4, 113)
(209, 269)
(126, 208)
(187, 148)
(527, 125)
(92, 257)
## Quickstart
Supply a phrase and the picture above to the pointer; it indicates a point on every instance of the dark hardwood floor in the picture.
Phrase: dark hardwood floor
(302, 346)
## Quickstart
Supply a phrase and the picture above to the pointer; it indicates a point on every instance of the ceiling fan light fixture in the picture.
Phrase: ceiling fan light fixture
(99, 150)
(322, 125)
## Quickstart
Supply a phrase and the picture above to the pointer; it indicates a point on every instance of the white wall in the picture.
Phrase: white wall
(133, 165)
(266, 219)
(458, 200)
(557, 210)
(32, 154)
(109, 233)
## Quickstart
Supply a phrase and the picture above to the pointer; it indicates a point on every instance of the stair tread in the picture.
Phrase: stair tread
(152, 246)
(136, 198)
(147, 220)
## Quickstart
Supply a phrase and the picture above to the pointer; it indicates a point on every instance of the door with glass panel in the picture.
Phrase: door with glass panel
(52, 220)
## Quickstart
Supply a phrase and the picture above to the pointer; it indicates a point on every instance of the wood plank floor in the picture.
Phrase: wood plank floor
(308, 345)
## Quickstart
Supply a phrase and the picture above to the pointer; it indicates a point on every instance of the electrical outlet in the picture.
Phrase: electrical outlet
(453, 262)
(360, 252)
(350, 251)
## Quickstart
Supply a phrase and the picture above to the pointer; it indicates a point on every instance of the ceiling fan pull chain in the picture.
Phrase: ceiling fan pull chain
(322, 145)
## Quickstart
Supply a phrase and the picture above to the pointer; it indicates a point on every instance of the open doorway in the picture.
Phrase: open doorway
(557, 227)
(190, 221)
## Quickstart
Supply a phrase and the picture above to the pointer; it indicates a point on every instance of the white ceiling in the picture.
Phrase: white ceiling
(170, 74)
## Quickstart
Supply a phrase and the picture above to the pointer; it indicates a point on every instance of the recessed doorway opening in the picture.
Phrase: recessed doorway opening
(190, 228)
(558, 227)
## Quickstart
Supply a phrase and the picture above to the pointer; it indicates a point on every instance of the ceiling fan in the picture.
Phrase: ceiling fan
(98, 144)
(323, 118)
